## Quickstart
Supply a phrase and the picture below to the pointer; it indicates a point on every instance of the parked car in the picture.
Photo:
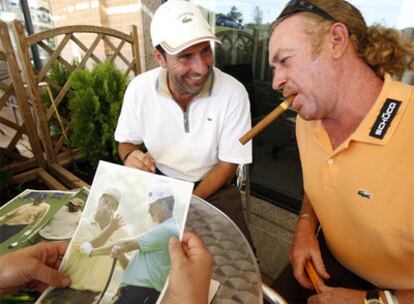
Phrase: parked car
(230, 22)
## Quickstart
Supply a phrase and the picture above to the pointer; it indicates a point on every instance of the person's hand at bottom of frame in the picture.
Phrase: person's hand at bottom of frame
(190, 273)
(33, 267)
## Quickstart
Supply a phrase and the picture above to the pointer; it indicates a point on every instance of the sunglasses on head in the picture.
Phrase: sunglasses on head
(298, 6)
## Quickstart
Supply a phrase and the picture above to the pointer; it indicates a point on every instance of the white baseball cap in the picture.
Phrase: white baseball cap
(177, 25)
(115, 193)
(158, 191)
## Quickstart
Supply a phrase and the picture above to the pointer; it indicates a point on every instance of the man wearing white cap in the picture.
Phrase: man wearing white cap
(187, 113)
(146, 273)
(89, 274)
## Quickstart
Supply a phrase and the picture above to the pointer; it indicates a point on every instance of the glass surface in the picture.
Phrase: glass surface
(235, 265)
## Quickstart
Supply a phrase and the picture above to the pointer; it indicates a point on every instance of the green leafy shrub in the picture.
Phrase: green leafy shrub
(95, 105)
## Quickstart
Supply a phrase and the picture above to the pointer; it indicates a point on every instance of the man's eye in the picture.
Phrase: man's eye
(186, 57)
(284, 60)
(206, 51)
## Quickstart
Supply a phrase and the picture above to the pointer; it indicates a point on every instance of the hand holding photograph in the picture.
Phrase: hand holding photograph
(119, 252)
(23, 216)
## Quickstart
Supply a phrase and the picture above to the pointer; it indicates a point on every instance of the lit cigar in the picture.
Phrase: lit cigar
(267, 120)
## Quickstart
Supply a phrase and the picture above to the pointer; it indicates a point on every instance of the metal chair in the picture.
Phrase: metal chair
(272, 296)
(243, 184)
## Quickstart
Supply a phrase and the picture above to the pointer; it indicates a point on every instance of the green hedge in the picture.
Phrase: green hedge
(95, 105)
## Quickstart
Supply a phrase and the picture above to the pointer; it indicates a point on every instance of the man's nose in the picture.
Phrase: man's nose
(279, 80)
(200, 65)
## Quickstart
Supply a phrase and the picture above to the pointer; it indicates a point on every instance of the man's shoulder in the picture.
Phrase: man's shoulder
(227, 81)
(169, 226)
(146, 78)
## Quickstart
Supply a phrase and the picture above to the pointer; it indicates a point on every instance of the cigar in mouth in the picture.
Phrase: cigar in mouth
(267, 120)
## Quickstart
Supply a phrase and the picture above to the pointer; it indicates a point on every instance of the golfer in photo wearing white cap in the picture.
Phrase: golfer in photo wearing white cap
(146, 273)
(188, 113)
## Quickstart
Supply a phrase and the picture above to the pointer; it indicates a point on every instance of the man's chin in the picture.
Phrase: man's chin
(194, 89)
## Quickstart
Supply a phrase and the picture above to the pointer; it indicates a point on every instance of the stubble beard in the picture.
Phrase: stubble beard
(184, 88)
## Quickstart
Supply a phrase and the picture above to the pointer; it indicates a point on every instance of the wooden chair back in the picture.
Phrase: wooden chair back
(20, 148)
(60, 44)
(21, 153)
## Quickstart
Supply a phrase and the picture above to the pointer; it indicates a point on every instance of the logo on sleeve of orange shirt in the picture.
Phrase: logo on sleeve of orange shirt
(384, 118)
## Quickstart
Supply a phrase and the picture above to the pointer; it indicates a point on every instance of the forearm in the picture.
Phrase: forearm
(122, 246)
(307, 213)
(124, 149)
(215, 179)
(123, 260)
(103, 237)
(128, 245)
(105, 250)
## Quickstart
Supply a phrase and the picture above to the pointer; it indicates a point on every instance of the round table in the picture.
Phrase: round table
(235, 265)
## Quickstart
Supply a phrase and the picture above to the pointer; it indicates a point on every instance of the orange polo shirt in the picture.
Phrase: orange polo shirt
(363, 191)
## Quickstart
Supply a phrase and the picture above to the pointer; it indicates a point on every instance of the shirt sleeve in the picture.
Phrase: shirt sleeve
(237, 123)
(129, 128)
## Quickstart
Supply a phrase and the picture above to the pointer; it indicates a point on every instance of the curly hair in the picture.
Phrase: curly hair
(385, 50)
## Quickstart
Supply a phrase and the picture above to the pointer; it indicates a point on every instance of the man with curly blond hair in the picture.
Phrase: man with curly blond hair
(356, 140)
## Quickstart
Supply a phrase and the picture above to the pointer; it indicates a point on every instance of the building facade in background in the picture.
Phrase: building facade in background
(115, 14)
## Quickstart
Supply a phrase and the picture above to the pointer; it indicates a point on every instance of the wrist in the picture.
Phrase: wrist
(308, 219)
(111, 228)
(128, 154)
(305, 216)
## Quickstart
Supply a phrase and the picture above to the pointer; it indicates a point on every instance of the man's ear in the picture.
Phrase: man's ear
(159, 57)
(339, 38)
